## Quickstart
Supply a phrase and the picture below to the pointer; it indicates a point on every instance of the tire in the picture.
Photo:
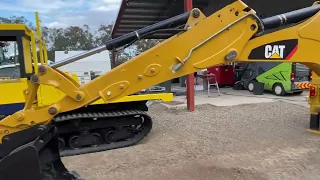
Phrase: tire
(250, 86)
(278, 89)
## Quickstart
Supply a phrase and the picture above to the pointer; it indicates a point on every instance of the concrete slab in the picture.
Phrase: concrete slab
(230, 97)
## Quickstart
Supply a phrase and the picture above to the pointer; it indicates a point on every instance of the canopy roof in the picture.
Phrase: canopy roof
(136, 14)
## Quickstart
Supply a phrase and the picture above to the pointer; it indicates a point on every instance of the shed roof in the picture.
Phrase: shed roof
(137, 14)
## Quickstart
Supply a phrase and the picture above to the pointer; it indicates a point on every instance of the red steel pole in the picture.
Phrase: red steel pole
(190, 77)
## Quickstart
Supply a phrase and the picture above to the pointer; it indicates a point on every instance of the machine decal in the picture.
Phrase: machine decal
(292, 52)
(274, 52)
(272, 77)
(276, 76)
(279, 50)
(304, 85)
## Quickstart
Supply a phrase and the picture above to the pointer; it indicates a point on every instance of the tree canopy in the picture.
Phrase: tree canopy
(77, 38)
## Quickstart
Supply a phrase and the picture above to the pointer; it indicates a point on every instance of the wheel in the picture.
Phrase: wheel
(251, 85)
(74, 142)
(97, 140)
(278, 90)
(109, 137)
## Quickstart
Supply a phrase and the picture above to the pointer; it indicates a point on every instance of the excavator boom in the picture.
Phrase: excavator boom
(231, 34)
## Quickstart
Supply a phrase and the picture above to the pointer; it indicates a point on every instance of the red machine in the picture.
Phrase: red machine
(224, 74)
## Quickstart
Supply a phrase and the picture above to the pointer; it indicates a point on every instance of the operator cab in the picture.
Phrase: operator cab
(16, 65)
(15, 52)
(9, 69)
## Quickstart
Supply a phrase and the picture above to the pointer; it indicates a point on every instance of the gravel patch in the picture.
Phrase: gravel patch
(254, 141)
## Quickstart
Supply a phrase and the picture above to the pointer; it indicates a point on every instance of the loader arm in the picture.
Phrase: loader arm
(231, 34)
(205, 43)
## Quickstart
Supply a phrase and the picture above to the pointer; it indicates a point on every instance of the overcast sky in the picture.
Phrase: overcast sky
(61, 13)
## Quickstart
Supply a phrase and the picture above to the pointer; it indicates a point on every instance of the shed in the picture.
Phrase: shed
(137, 14)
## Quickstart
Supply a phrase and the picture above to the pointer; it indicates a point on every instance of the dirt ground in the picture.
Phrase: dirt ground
(248, 142)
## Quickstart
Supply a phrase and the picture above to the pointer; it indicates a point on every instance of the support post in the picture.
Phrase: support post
(190, 77)
(113, 58)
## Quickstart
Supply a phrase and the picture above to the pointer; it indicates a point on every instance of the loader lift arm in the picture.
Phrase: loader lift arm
(232, 34)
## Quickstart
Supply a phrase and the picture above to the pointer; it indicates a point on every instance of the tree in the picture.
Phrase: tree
(74, 38)
(104, 34)
(49, 35)
(17, 20)
(146, 44)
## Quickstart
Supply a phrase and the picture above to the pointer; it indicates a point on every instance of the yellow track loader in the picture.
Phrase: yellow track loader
(98, 127)
(29, 145)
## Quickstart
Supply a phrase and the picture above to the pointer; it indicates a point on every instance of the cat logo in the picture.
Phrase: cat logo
(277, 50)
(274, 52)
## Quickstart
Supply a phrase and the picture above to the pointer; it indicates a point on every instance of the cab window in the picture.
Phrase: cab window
(10, 73)
(2, 57)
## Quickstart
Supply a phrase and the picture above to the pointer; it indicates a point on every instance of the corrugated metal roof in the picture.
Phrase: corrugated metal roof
(136, 14)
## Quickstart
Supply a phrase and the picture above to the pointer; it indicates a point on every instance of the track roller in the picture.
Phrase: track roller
(99, 131)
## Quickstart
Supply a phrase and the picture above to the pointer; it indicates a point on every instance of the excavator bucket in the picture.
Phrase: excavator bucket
(38, 159)
(22, 164)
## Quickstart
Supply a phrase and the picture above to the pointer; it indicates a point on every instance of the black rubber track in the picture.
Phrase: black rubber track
(147, 126)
